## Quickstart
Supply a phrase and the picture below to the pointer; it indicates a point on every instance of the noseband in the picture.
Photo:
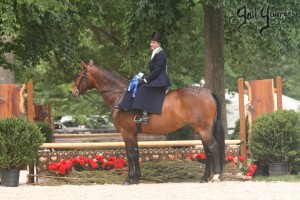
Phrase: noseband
(82, 76)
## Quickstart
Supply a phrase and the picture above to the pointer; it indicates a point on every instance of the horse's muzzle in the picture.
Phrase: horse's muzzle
(75, 92)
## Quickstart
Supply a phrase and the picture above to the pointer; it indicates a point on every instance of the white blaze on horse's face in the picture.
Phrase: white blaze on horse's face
(76, 93)
(78, 84)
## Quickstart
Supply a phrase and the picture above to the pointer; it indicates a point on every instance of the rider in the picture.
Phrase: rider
(152, 88)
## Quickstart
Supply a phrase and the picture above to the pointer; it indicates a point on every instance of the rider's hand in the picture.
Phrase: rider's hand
(141, 81)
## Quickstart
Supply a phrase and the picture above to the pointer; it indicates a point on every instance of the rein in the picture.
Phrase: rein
(84, 77)
(112, 91)
(85, 95)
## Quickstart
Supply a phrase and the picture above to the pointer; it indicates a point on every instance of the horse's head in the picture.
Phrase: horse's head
(82, 83)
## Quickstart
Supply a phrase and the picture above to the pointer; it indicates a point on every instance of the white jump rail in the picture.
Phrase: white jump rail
(97, 145)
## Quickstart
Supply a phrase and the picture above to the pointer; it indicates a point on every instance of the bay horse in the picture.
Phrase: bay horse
(192, 105)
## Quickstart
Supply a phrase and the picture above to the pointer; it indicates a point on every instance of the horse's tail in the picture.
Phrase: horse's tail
(218, 130)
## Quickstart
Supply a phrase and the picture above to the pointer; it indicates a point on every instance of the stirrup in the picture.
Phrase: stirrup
(118, 108)
(140, 119)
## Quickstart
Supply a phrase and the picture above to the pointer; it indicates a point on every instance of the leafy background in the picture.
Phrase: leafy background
(50, 37)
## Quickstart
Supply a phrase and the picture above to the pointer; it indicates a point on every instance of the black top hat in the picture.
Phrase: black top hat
(156, 37)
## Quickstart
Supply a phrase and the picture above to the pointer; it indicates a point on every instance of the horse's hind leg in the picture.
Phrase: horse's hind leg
(212, 148)
(206, 174)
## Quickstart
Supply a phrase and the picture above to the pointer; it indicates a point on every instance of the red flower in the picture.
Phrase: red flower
(82, 162)
(68, 165)
(109, 164)
(191, 156)
(64, 161)
(103, 166)
(171, 157)
(112, 159)
(99, 157)
(86, 160)
(251, 169)
(80, 157)
(73, 160)
(248, 174)
(53, 166)
(229, 158)
(201, 156)
(93, 164)
(119, 163)
(62, 172)
(232, 163)
(242, 158)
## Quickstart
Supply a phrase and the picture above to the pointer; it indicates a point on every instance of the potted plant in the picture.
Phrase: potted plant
(19, 142)
(46, 130)
(275, 139)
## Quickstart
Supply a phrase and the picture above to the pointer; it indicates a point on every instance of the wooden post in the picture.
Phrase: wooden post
(30, 106)
(30, 114)
(243, 136)
(49, 114)
(279, 92)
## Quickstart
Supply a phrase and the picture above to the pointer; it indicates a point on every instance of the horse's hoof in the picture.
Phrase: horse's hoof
(132, 181)
(203, 180)
(215, 178)
(126, 182)
(215, 181)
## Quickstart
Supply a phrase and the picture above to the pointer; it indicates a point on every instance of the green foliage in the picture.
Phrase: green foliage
(185, 133)
(252, 55)
(46, 130)
(19, 142)
(236, 131)
(275, 137)
(53, 35)
(181, 24)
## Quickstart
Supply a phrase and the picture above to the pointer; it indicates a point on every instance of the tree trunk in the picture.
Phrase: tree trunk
(214, 54)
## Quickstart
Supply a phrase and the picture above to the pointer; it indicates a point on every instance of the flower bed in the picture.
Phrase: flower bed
(237, 168)
(81, 163)
(235, 164)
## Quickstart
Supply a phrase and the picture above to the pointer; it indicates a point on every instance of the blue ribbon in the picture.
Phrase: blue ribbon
(134, 83)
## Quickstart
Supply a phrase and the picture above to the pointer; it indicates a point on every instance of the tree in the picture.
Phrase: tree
(253, 54)
(214, 54)
(50, 37)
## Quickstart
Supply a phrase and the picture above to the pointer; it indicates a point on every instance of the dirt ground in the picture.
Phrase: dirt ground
(173, 191)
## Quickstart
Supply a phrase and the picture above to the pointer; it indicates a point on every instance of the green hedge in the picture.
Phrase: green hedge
(275, 137)
(46, 130)
(19, 142)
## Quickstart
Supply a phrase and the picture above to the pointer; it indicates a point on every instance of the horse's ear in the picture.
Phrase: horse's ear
(91, 62)
(83, 64)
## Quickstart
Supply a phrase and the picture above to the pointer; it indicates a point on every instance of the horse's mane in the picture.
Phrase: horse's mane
(112, 76)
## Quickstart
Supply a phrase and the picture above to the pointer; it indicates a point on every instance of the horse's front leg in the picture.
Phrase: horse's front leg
(134, 171)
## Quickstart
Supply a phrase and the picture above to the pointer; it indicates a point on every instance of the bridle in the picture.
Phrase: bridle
(85, 77)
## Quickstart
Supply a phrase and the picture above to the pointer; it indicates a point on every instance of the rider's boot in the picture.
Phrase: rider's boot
(142, 117)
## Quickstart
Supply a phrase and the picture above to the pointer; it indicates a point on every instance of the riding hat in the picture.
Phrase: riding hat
(156, 37)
